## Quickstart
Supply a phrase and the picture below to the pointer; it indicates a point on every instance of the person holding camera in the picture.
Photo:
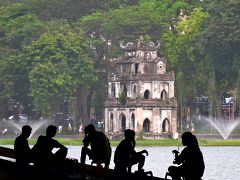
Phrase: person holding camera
(190, 160)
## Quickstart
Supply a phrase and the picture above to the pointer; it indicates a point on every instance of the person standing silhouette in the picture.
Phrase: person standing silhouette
(190, 160)
(22, 151)
(21, 148)
(125, 155)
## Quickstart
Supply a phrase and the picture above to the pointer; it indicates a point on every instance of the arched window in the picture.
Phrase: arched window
(122, 122)
(164, 95)
(111, 129)
(160, 64)
(146, 125)
(134, 91)
(113, 90)
(160, 67)
(136, 68)
(166, 125)
(133, 121)
(146, 94)
(125, 90)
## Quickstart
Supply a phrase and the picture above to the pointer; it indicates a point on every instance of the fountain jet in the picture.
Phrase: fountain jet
(224, 127)
(35, 125)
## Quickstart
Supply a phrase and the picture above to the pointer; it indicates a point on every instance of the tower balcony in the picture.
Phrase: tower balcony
(142, 77)
(170, 102)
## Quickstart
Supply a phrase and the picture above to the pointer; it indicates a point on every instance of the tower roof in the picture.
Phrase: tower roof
(140, 45)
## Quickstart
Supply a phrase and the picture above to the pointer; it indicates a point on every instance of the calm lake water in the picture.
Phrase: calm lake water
(221, 163)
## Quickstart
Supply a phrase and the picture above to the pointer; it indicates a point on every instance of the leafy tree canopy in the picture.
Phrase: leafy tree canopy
(57, 64)
(18, 26)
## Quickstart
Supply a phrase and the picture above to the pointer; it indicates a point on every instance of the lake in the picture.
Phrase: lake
(221, 162)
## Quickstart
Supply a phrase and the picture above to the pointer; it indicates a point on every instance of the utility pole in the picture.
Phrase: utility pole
(229, 110)
(233, 109)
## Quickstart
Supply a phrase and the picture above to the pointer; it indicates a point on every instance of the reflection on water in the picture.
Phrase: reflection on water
(220, 162)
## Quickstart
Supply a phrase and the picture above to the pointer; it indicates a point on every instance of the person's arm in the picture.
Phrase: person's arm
(59, 145)
(144, 151)
(86, 141)
(180, 157)
(134, 143)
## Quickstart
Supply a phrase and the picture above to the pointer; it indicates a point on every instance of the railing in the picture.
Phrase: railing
(143, 77)
(7, 152)
(145, 135)
(142, 102)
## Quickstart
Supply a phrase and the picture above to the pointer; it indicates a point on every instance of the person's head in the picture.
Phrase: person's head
(51, 131)
(89, 129)
(26, 131)
(188, 139)
(129, 134)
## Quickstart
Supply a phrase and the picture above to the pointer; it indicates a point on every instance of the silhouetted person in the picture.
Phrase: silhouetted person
(44, 157)
(125, 155)
(190, 160)
(22, 151)
(21, 148)
(100, 151)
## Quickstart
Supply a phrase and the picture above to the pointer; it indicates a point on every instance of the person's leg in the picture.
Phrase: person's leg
(85, 151)
(59, 157)
(61, 154)
(120, 169)
(108, 158)
(141, 160)
(175, 172)
(137, 159)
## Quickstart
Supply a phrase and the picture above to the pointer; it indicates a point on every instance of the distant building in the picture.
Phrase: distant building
(141, 93)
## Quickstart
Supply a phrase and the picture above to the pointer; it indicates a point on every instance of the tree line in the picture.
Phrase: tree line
(56, 50)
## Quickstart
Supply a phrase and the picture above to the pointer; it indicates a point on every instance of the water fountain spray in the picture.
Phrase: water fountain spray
(224, 127)
(35, 125)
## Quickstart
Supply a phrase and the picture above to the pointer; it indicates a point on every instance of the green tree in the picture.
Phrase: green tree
(18, 27)
(220, 40)
(58, 68)
(106, 28)
(72, 10)
(186, 57)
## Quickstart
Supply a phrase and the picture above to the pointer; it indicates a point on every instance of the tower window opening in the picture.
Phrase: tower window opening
(146, 94)
(164, 95)
(111, 123)
(123, 122)
(146, 125)
(133, 121)
(136, 68)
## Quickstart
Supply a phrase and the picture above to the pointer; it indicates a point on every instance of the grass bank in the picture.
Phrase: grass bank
(160, 142)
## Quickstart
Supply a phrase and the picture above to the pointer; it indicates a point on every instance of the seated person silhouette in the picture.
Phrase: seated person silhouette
(44, 157)
(22, 150)
(125, 155)
(190, 160)
(100, 151)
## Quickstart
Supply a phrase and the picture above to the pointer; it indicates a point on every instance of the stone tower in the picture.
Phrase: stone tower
(141, 93)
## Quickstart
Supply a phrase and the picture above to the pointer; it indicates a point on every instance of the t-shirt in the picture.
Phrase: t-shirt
(100, 146)
(22, 150)
(123, 153)
(43, 148)
(192, 161)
